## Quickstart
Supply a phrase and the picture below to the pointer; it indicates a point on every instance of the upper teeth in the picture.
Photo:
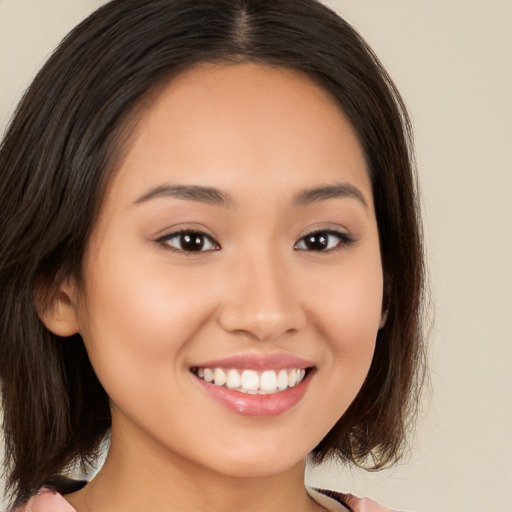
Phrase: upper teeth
(252, 381)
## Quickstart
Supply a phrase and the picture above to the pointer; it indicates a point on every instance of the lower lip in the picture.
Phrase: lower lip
(257, 405)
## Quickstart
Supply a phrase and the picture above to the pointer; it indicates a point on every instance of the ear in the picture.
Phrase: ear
(383, 318)
(385, 300)
(57, 308)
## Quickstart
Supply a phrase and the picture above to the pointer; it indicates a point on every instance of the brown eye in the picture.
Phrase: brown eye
(324, 241)
(189, 241)
(317, 242)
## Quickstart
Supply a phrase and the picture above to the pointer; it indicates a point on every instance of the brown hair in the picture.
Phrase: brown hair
(59, 150)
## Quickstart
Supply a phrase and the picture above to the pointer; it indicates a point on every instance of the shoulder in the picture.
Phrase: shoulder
(350, 502)
(46, 500)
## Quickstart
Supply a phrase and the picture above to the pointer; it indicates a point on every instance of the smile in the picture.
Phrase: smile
(252, 381)
(256, 385)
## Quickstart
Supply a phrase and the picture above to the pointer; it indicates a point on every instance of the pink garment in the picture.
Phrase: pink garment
(363, 504)
(48, 500)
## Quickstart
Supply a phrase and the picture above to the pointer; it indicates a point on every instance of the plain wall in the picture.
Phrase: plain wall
(452, 61)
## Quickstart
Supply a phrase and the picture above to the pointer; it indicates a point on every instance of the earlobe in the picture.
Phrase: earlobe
(58, 311)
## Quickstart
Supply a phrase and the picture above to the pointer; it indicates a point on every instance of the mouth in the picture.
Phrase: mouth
(251, 385)
(252, 381)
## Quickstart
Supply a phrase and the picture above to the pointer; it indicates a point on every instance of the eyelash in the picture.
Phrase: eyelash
(344, 240)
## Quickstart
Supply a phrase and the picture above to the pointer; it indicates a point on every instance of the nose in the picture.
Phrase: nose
(261, 299)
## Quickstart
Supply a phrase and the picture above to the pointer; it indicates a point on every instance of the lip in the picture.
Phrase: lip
(276, 361)
(245, 404)
(257, 405)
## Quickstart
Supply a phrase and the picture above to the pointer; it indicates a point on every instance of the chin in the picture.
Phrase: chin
(259, 463)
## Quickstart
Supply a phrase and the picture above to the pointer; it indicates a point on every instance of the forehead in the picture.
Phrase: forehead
(223, 122)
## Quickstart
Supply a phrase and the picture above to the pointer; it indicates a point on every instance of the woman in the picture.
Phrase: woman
(211, 253)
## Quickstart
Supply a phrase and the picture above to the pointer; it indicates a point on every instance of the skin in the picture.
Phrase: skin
(147, 313)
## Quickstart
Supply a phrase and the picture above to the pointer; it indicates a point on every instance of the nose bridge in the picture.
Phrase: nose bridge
(261, 299)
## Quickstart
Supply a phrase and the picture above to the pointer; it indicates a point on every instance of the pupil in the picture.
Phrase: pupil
(192, 242)
(316, 242)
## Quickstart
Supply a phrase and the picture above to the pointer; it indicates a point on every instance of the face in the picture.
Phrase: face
(233, 284)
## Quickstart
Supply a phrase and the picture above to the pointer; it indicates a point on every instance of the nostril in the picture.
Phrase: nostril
(261, 326)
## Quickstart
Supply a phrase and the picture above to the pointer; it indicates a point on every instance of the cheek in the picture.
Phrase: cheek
(348, 310)
(349, 301)
(137, 323)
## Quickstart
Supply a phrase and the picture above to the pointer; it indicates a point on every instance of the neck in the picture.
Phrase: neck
(138, 477)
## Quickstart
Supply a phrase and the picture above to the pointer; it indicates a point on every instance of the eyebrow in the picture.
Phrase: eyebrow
(216, 197)
(208, 195)
(338, 190)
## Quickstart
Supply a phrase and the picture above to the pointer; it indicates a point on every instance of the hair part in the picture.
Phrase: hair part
(64, 143)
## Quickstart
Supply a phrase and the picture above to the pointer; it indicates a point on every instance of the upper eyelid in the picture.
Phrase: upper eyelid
(325, 226)
(173, 234)
(179, 232)
(333, 231)
(175, 231)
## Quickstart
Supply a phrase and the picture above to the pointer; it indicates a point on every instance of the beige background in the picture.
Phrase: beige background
(452, 60)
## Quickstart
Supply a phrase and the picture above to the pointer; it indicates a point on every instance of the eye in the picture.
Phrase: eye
(324, 241)
(189, 241)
